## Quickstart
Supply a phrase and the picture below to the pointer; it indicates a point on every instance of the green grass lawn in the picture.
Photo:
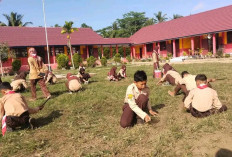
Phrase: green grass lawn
(87, 123)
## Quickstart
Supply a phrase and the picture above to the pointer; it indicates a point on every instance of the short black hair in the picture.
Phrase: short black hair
(5, 85)
(201, 77)
(140, 75)
(183, 73)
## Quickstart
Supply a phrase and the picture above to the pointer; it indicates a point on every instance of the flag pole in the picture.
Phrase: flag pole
(45, 27)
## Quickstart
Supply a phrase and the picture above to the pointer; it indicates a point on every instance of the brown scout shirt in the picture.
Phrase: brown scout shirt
(203, 99)
(34, 68)
(175, 75)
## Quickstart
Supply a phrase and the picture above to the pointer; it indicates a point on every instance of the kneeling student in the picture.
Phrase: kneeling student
(112, 74)
(19, 83)
(122, 72)
(203, 101)
(136, 103)
(73, 84)
(84, 77)
(14, 109)
(50, 77)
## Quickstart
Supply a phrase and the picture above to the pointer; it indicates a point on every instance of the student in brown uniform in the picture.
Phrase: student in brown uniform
(136, 103)
(203, 101)
(34, 75)
(19, 84)
(173, 77)
(122, 72)
(155, 58)
(73, 83)
(50, 77)
(14, 107)
(112, 74)
(84, 77)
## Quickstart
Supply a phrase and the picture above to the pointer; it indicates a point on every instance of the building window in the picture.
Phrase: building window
(163, 46)
(59, 50)
(149, 47)
(20, 52)
(229, 37)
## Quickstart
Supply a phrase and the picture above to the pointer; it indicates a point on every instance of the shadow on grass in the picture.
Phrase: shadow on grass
(92, 81)
(223, 153)
(57, 93)
(43, 121)
(157, 107)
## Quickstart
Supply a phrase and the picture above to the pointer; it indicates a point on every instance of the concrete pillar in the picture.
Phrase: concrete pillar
(87, 50)
(174, 48)
(145, 50)
(214, 44)
(133, 50)
(102, 52)
(124, 51)
(54, 55)
(192, 45)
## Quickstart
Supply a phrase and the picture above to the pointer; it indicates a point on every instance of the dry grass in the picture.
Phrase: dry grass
(87, 123)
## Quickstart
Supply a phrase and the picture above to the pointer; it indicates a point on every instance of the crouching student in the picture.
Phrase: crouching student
(122, 72)
(50, 77)
(84, 77)
(19, 84)
(72, 84)
(136, 103)
(14, 109)
(203, 101)
(112, 75)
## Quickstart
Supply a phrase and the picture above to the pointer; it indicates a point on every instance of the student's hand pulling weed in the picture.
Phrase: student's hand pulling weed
(147, 118)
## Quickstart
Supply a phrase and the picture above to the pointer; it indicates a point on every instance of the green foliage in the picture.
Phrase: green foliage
(14, 19)
(219, 53)
(62, 61)
(103, 61)
(169, 55)
(227, 55)
(4, 49)
(128, 58)
(91, 61)
(209, 54)
(77, 60)
(117, 58)
(185, 53)
(16, 65)
(160, 18)
(84, 25)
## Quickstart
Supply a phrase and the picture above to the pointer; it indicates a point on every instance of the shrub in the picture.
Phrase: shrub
(227, 55)
(169, 55)
(91, 61)
(128, 58)
(185, 53)
(117, 58)
(62, 61)
(77, 60)
(16, 65)
(209, 54)
(103, 61)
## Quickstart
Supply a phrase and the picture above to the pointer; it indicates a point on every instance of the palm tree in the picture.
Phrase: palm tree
(67, 29)
(15, 19)
(2, 24)
(160, 18)
(176, 16)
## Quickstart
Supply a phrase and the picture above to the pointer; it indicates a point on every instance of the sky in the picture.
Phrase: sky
(100, 13)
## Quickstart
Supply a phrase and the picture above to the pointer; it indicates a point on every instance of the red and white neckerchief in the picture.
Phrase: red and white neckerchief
(10, 92)
(33, 55)
(202, 86)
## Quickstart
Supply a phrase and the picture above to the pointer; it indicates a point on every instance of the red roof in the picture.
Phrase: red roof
(35, 36)
(210, 21)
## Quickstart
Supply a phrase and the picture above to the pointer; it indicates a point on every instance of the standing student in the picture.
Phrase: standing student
(136, 103)
(72, 84)
(19, 83)
(34, 75)
(122, 72)
(155, 58)
(203, 101)
(112, 74)
(14, 109)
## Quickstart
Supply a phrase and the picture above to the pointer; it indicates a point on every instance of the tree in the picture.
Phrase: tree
(4, 49)
(149, 22)
(2, 24)
(160, 18)
(176, 16)
(57, 25)
(15, 19)
(84, 25)
(67, 29)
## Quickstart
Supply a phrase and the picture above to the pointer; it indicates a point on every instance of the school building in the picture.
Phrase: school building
(208, 31)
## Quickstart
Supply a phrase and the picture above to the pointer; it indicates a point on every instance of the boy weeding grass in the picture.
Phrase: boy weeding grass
(203, 101)
(14, 107)
(136, 102)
